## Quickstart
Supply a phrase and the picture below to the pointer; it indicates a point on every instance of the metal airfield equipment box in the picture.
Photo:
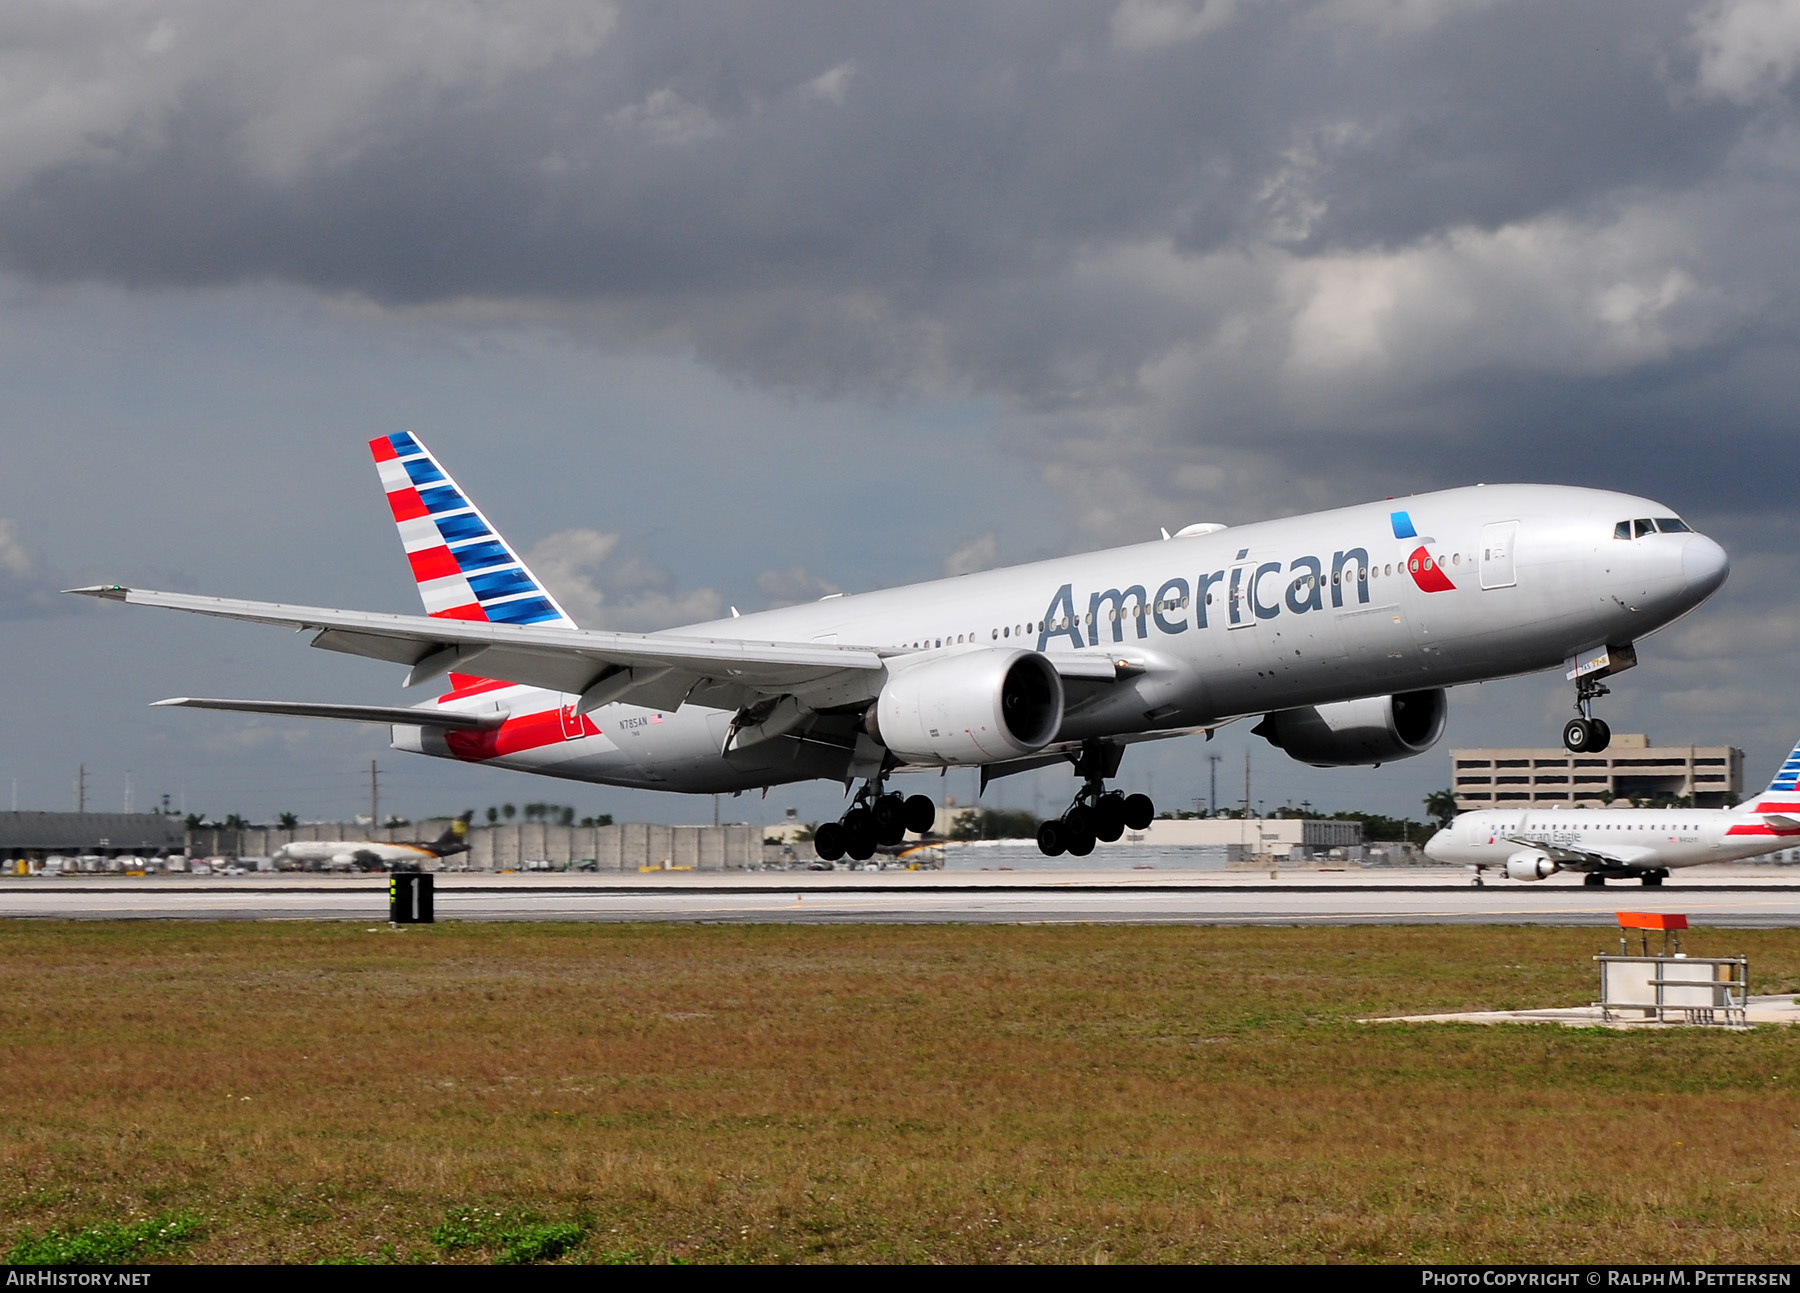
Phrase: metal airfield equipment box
(1672, 987)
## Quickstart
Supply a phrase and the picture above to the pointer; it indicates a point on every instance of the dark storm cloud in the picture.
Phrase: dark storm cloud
(1283, 237)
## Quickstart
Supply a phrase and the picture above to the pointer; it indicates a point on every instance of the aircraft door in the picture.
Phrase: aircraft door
(1497, 543)
(572, 727)
(1240, 611)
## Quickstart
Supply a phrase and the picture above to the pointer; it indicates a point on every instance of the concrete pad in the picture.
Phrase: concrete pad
(1782, 1009)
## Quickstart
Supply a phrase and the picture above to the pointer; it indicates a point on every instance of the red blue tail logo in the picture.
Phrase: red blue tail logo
(464, 569)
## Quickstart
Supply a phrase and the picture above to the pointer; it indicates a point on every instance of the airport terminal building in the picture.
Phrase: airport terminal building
(1710, 776)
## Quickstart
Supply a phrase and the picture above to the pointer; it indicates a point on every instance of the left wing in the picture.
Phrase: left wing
(661, 671)
(1631, 855)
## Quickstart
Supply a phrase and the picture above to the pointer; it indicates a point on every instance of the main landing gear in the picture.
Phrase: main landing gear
(1097, 813)
(1586, 734)
(874, 819)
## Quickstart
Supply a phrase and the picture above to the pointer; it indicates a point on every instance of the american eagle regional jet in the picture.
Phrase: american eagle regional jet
(1622, 843)
(1341, 629)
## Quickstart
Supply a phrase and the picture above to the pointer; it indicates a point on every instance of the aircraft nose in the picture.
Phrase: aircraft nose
(1437, 848)
(1704, 565)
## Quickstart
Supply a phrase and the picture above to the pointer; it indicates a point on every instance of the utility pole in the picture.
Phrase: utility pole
(128, 790)
(81, 789)
(1246, 827)
(374, 797)
(1212, 793)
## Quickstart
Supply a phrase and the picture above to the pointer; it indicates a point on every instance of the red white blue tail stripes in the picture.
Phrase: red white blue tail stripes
(1783, 794)
(464, 569)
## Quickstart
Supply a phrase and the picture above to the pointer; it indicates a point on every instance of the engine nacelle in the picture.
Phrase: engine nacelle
(977, 707)
(1376, 729)
(1529, 864)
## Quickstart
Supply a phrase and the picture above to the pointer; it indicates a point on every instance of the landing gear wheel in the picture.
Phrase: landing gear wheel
(859, 834)
(1081, 841)
(1578, 735)
(1052, 841)
(1109, 817)
(1594, 880)
(1079, 820)
(1652, 879)
(1601, 738)
(889, 814)
(921, 815)
(1139, 811)
(828, 841)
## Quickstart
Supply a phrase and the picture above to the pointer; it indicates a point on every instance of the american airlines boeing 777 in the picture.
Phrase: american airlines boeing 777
(1341, 629)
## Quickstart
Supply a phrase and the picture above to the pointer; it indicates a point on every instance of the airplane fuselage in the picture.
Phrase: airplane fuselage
(353, 852)
(1424, 592)
(1641, 838)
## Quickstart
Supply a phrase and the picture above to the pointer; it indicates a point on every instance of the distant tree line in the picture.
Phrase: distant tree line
(553, 814)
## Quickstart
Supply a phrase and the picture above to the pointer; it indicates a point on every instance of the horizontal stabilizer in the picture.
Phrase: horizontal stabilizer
(388, 714)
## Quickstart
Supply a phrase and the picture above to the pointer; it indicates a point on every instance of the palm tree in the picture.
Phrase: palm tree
(1441, 805)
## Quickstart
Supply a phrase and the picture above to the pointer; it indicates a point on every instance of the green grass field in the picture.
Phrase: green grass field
(296, 1092)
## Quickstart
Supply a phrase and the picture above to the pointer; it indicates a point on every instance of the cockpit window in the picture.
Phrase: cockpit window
(1642, 526)
(1622, 530)
(1672, 525)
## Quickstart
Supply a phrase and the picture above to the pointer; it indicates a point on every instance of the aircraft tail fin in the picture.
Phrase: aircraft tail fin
(464, 568)
(1783, 793)
(455, 838)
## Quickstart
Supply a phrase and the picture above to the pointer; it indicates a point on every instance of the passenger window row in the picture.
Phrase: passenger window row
(1305, 583)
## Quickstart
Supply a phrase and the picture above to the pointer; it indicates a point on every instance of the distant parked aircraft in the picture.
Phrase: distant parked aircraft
(379, 855)
(1341, 628)
(1620, 843)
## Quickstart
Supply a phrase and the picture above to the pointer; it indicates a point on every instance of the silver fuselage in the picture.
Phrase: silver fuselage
(1241, 621)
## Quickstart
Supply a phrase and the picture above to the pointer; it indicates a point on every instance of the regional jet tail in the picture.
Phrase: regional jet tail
(1340, 630)
(1623, 843)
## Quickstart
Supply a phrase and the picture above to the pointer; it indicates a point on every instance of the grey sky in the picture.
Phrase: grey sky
(735, 304)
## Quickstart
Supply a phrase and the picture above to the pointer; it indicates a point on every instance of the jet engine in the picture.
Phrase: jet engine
(1375, 729)
(977, 707)
(1529, 864)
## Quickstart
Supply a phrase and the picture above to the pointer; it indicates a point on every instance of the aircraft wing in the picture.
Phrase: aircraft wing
(653, 669)
(387, 714)
(1630, 855)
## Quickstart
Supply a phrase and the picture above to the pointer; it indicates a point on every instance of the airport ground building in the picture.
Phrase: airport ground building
(31, 834)
(1708, 776)
(1294, 838)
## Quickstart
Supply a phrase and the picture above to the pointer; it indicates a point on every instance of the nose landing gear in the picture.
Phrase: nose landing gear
(1586, 734)
(873, 820)
(1096, 814)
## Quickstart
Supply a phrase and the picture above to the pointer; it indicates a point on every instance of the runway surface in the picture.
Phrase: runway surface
(1742, 897)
